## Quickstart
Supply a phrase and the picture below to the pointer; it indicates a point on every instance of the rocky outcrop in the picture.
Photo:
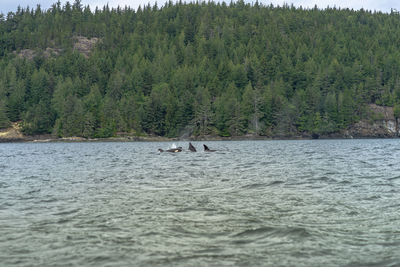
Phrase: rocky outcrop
(376, 129)
(382, 124)
(81, 44)
(30, 54)
(85, 45)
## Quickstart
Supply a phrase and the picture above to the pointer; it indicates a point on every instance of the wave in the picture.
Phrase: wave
(288, 232)
(261, 185)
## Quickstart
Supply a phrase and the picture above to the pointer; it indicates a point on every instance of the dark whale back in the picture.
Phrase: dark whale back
(173, 150)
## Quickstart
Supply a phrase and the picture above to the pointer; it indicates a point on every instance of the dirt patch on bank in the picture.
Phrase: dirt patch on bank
(12, 134)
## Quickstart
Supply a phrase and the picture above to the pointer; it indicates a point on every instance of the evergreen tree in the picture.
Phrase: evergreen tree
(203, 118)
(4, 121)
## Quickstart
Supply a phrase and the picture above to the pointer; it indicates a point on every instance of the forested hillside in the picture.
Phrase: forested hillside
(198, 68)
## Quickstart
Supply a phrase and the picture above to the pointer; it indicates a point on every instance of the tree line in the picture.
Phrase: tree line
(200, 68)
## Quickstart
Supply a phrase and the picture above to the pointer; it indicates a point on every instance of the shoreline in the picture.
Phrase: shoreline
(49, 139)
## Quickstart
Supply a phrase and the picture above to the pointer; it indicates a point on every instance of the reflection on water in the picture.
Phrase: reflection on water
(278, 203)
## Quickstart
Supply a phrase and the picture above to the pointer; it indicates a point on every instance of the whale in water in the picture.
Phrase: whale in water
(172, 150)
(192, 148)
(206, 149)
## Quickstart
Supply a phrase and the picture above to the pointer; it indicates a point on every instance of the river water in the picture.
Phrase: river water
(251, 203)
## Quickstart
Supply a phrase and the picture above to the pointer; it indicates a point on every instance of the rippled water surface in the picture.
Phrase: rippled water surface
(251, 203)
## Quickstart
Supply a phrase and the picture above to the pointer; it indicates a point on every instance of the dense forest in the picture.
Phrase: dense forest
(199, 68)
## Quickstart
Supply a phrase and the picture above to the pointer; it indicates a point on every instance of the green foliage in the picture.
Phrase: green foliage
(38, 119)
(396, 111)
(210, 67)
(204, 115)
(4, 121)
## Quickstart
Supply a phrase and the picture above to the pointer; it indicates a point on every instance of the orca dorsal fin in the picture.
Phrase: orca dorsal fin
(192, 148)
(207, 149)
